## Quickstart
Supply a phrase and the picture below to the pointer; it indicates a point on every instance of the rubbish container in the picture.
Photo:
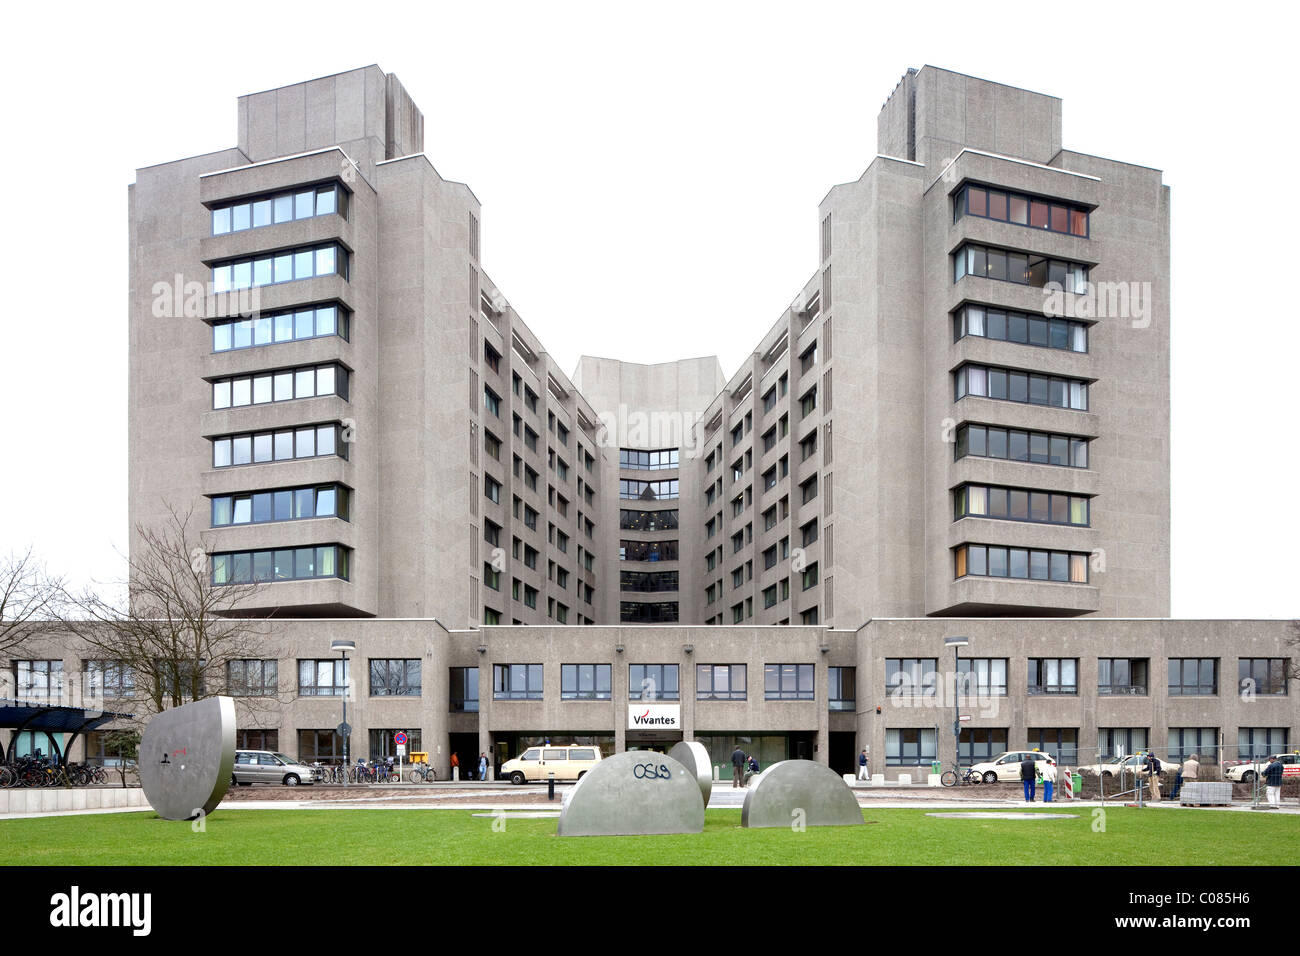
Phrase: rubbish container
(935, 766)
(1078, 784)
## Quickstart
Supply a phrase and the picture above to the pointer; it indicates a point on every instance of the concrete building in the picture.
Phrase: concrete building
(960, 427)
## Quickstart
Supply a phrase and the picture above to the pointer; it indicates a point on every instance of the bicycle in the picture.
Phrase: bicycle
(423, 773)
(955, 776)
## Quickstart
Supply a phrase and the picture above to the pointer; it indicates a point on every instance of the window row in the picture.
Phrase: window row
(648, 581)
(1021, 209)
(984, 441)
(647, 550)
(647, 460)
(279, 207)
(1018, 504)
(310, 381)
(287, 326)
(648, 490)
(289, 265)
(1019, 327)
(310, 442)
(988, 381)
(637, 612)
(282, 564)
(283, 504)
(630, 520)
(988, 262)
(1024, 563)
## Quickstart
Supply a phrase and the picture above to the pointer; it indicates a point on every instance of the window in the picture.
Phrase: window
(325, 746)
(985, 442)
(1019, 327)
(980, 744)
(630, 520)
(983, 676)
(492, 402)
(808, 533)
(842, 693)
(584, 681)
(323, 678)
(250, 678)
(283, 504)
(530, 399)
(463, 690)
(808, 446)
(287, 265)
(647, 460)
(1122, 675)
(788, 682)
(910, 747)
(648, 490)
(808, 490)
(810, 576)
(1020, 504)
(275, 208)
(1261, 675)
(720, 682)
(491, 489)
(636, 612)
(911, 676)
(1202, 741)
(769, 400)
(648, 550)
(491, 577)
(282, 564)
(1261, 742)
(304, 323)
(808, 403)
(988, 381)
(652, 682)
(516, 681)
(491, 358)
(808, 359)
(492, 533)
(382, 745)
(111, 679)
(1021, 209)
(1054, 675)
(530, 596)
(1061, 742)
(491, 445)
(1007, 265)
(1120, 741)
(1193, 676)
(648, 581)
(39, 680)
(1024, 563)
(309, 381)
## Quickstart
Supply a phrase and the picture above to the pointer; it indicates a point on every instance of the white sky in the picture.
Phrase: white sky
(658, 168)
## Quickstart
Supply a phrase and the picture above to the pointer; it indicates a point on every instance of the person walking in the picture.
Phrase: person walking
(1273, 780)
(862, 765)
(455, 766)
(1049, 779)
(482, 765)
(1027, 775)
(1152, 764)
(737, 767)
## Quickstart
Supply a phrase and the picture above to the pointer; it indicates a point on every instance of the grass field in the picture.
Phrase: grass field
(897, 837)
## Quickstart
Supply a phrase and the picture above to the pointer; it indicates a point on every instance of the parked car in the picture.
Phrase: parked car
(1131, 764)
(538, 763)
(265, 766)
(1006, 766)
(1246, 772)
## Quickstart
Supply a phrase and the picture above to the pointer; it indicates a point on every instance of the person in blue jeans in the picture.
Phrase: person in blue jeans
(1027, 774)
(1049, 779)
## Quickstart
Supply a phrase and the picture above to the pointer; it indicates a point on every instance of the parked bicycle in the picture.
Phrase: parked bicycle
(423, 773)
(956, 775)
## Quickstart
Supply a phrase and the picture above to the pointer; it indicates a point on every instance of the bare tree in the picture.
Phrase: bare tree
(28, 597)
(179, 631)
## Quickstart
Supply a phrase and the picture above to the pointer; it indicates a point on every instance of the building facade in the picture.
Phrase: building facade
(960, 427)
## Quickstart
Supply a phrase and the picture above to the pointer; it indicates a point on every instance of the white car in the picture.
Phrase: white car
(1245, 772)
(1006, 766)
(1131, 764)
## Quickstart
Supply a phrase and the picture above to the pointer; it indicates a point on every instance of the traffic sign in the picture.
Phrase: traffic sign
(399, 738)
(344, 729)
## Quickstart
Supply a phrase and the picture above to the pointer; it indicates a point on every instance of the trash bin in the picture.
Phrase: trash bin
(935, 766)
(1078, 784)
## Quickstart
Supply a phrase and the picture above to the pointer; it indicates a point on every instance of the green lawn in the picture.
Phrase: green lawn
(1131, 837)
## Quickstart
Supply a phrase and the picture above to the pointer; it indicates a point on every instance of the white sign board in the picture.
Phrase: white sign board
(654, 717)
(401, 750)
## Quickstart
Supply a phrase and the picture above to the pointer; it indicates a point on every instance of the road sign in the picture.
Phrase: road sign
(344, 729)
(401, 750)
(399, 738)
(963, 717)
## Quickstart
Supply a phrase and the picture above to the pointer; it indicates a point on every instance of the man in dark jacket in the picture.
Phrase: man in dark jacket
(738, 767)
(1027, 775)
(1273, 780)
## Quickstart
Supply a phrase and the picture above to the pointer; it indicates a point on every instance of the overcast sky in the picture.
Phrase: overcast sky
(659, 167)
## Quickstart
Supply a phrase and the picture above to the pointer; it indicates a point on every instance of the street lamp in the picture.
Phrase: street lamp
(344, 730)
(955, 643)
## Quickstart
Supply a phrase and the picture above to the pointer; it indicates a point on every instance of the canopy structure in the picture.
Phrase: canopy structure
(20, 716)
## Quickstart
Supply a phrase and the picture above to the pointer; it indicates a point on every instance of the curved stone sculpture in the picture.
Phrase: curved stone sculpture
(799, 792)
(632, 794)
(187, 755)
(694, 757)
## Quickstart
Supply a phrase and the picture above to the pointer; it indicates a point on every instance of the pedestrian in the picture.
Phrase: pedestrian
(455, 765)
(1273, 778)
(1188, 773)
(1049, 779)
(1153, 776)
(737, 767)
(482, 766)
(862, 765)
(1027, 774)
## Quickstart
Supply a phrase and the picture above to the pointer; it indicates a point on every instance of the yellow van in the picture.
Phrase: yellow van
(538, 763)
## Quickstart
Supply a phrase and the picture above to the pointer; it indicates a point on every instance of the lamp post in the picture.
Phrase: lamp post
(344, 730)
(956, 643)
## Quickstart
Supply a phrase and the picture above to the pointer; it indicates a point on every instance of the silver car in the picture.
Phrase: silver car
(264, 766)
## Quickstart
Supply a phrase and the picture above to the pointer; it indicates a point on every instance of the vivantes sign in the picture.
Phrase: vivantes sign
(654, 717)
